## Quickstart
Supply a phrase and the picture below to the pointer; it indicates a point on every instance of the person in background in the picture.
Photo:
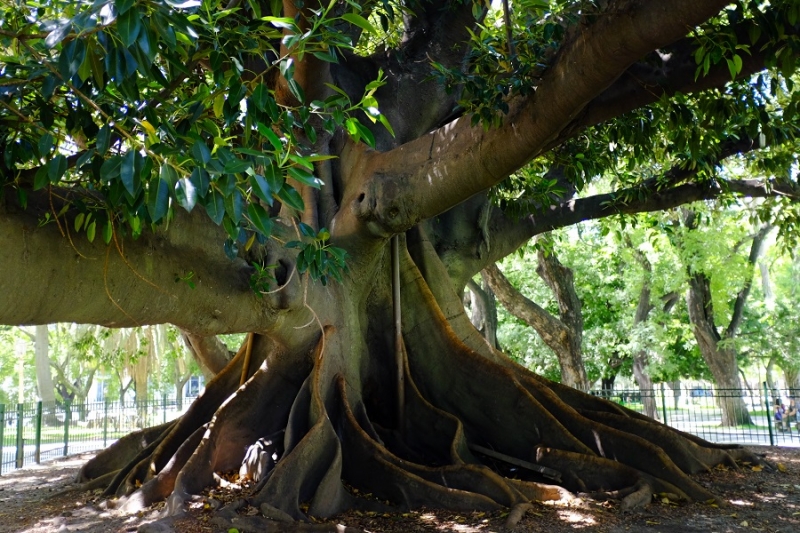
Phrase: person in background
(790, 416)
(779, 412)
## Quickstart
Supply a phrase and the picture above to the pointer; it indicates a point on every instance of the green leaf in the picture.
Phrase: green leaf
(127, 171)
(261, 188)
(91, 230)
(103, 139)
(305, 177)
(45, 144)
(291, 198)
(41, 179)
(108, 231)
(237, 166)
(56, 168)
(274, 178)
(234, 204)
(361, 22)
(199, 179)
(78, 222)
(200, 152)
(158, 199)
(260, 219)
(273, 139)
(260, 96)
(386, 124)
(123, 5)
(215, 206)
(128, 25)
(110, 168)
(168, 174)
(186, 194)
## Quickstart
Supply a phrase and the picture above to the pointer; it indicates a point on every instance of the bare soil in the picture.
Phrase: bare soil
(39, 500)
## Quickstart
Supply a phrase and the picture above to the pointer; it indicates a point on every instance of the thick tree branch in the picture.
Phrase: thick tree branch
(181, 276)
(458, 161)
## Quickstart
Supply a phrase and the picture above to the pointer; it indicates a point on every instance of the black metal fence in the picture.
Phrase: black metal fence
(35, 432)
(742, 416)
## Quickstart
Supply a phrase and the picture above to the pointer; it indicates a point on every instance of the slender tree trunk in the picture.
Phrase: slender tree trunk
(721, 361)
(721, 358)
(557, 335)
(561, 281)
(792, 376)
(675, 387)
(640, 358)
(44, 379)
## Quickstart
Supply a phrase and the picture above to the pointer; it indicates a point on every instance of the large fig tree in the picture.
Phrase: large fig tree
(328, 176)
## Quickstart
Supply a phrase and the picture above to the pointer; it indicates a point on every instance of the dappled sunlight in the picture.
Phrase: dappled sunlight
(576, 518)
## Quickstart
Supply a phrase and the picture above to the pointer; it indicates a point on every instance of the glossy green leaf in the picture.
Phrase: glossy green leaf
(127, 171)
(260, 219)
(129, 24)
(186, 194)
(215, 206)
(361, 22)
(261, 188)
(291, 198)
(158, 199)
(56, 168)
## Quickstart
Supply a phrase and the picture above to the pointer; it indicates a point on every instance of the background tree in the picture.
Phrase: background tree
(245, 167)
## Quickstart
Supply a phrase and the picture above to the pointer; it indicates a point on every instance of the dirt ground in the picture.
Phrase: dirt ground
(33, 500)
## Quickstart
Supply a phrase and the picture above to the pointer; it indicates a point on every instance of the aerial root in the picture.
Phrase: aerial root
(516, 514)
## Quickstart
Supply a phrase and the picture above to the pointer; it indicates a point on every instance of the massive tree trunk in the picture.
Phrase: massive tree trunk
(322, 383)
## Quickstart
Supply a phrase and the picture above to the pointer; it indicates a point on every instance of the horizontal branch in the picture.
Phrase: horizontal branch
(458, 160)
(181, 276)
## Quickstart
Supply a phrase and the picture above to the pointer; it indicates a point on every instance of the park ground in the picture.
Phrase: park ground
(38, 500)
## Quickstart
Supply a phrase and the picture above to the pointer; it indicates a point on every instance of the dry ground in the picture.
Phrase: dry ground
(32, 501)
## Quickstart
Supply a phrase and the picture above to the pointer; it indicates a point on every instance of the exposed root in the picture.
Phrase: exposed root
(471, 422)
(516, 514)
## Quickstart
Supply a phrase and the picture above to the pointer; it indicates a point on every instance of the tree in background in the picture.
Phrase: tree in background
(246, 167)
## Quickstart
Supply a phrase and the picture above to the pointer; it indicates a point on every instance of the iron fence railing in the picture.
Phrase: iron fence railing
(740, 416)
(35, 432)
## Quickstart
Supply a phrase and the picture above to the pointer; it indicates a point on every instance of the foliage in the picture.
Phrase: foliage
(142, 108)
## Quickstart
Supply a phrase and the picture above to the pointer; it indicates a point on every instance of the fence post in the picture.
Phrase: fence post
(105, 424)
(164, 408)
(2, 433)
(37, 455)
(664, 403)
(67, 417)
(769, 415)
(20, 440)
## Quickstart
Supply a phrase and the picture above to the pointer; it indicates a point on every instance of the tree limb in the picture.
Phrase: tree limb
(458, 160)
